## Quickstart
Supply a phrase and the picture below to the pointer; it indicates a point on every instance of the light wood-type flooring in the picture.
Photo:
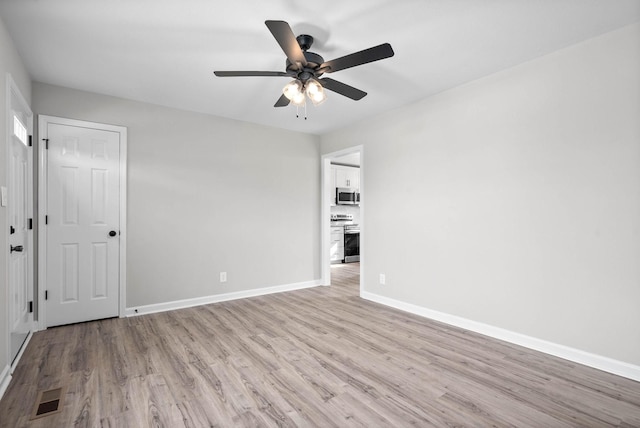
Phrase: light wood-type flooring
(316, 357)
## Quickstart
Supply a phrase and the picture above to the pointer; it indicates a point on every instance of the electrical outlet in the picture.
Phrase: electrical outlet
(223, 277)
(383, 279)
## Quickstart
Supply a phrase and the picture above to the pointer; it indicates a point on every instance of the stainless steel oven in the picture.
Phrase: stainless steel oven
(351, 243)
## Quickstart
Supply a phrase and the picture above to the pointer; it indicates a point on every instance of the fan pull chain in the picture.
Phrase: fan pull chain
(298, 111)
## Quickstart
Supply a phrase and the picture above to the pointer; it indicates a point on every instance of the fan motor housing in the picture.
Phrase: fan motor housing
(308, 71)
(305, 41)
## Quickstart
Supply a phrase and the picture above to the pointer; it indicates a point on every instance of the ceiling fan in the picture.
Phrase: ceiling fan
(306, 68)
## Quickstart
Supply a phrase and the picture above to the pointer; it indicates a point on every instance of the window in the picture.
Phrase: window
(19, 130)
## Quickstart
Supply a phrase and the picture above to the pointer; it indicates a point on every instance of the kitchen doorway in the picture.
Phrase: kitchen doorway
(342, 218)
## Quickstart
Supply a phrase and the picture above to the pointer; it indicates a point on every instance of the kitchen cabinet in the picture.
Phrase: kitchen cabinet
(337, 244)
(347, 176)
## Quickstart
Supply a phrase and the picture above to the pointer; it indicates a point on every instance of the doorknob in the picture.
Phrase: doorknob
(113, 233)
(17, 248)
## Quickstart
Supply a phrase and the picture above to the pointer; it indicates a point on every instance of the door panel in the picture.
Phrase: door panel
(99, 274)
(99, 196)
(83, 205)
(70, 273)
(69, 178)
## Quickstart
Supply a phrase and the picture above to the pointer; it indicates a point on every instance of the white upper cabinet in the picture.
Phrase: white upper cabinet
(347, 176)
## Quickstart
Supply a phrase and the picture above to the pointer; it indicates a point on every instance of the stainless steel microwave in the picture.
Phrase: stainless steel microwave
(347, 196)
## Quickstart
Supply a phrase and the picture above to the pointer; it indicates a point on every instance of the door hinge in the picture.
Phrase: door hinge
(31, 306)
(29, 223)
(12, 230)
(46, 143)
(30, 140)
(46, 294)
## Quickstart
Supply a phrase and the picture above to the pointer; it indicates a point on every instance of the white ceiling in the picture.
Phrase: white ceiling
(164, 51)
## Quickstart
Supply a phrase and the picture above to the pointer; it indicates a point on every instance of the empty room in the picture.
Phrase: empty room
(320, 214)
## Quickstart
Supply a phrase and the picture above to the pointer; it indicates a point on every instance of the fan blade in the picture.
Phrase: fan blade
(282, 101)
(287, 41)
(342, 89)
(250, 73)
(375, 53)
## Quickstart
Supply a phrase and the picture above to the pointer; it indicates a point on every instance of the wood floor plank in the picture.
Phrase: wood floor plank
(314, 357)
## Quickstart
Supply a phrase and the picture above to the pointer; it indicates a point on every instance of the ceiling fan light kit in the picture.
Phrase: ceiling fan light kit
(306, 68)
(291, 89)
(298, 99)
(295, 92)
(315, 92)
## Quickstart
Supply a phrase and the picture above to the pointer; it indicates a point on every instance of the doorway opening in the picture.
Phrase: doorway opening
(342, 218)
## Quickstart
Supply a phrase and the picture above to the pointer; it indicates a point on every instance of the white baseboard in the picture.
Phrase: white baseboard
(606, 364)
(188, 303)
(5, 378)
(23, 347)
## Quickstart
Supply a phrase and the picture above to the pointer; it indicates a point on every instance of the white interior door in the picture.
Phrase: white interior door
(83, 224)
(20, 234)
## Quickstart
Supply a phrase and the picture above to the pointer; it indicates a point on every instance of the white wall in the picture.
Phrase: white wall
(10, 62)
(514, 200)
(206, 195)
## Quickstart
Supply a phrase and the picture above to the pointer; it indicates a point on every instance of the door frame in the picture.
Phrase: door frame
(15, 101)
(43, 122)
(325, 213)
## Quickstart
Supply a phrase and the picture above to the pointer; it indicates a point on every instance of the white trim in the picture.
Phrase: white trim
(42, 235)
(123, 222)
(22, 349)
(43, 122)
(188, 303)
(606, 364)
(325, 212)
(363, 198)
(5, 379)
(6, 375)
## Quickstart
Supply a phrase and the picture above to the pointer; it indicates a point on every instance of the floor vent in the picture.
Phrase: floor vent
(48, 403)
